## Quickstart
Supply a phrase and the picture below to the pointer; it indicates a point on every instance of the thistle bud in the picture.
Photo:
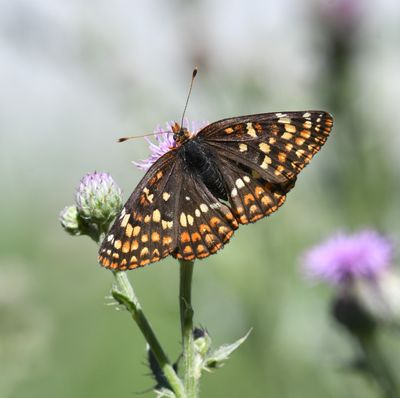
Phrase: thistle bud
(98, 199)
(69, 219)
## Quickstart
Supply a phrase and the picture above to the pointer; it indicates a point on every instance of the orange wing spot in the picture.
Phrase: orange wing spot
(258, 127)
(133, 260)
(254, 209)
(228, 236)
(155, 237)
(243, 219)
(274, 130)
(256, 217)
(124, 262)
(201, 249)
(126, 246)
(144, 252)
(282, 157)
(144, 238)
(266, 200)
(167, 240)
(117, 244)
(299, 141)
(305, 134)
(159, 174)
(224, 231)
(210, 239)
(106, 262)
(113, 265)
(279, 170)
(129, 230)
(185, 237)
(204, 228)
(144, 262)
(259, 191)
(229, 216)
(188, 250)
(134, 245)
(196, 237)
(147, 218)
(215, 221)
(248, 198)
(229, 130)
(239, 210)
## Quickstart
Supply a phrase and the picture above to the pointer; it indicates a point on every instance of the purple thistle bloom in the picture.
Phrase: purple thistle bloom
(165, 142)
(343, 257)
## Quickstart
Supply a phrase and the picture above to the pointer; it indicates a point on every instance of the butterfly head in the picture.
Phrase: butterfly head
(181, 134)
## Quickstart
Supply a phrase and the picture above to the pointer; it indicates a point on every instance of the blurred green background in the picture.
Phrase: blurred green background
(76, 75)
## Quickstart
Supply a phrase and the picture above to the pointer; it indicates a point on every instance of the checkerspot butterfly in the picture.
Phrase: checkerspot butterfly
(233, 171)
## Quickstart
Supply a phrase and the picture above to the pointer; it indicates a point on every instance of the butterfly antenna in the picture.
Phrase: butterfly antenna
(194, 73)
(123, 139)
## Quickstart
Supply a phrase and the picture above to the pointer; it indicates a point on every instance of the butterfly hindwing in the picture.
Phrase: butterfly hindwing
(144, 231)
(205, 224)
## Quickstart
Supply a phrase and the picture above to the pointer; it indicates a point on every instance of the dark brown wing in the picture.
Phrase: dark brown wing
(261, 155)
(144, 231)
(170, 212)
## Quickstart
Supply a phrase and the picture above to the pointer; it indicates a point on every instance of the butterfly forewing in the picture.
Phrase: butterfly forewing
(179, 210)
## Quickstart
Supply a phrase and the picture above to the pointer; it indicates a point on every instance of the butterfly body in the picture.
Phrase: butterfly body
(234, 171)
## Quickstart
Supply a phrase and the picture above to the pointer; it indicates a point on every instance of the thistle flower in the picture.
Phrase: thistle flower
(165, 141)
(362, 255)
(98, 198)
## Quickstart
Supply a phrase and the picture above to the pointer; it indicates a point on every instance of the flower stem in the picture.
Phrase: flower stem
(125, 295)
(378, 365)
(186, 312)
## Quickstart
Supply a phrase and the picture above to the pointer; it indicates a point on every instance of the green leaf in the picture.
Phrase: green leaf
(217, 358)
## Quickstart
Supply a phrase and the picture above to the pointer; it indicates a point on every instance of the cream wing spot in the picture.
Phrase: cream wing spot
(183, 220)
(264, 147)
(166, 196)
(125, 220)
(239, 183)
(250, 130)
(156, 215)
(204, 208)
(242, 147)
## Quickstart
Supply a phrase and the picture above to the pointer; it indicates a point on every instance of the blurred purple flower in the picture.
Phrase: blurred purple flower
(342, 15)
(343, 257)
(166, 142)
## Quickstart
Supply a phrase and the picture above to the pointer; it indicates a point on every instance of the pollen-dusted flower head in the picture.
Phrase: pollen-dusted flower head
(166, 142)
(98, 198)
(342, 257)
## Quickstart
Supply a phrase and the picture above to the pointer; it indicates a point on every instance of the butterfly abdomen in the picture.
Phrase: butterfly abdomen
(200, 161)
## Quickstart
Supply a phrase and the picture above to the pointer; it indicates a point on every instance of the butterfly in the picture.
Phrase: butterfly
(192, 199)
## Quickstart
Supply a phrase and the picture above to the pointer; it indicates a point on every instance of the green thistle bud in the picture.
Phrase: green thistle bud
(69, 219)
(98, 199)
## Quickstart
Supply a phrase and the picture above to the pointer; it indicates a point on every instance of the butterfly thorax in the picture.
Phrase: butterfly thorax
(200, 160)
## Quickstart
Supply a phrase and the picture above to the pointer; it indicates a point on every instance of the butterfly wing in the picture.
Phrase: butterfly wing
(143, 232)
(170, 212)
(261, 155)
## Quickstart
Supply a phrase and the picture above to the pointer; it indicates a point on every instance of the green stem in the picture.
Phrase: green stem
(186, 312)
(378, 365)
(125, 295)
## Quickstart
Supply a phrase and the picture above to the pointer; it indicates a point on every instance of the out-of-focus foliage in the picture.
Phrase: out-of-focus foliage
(76, 75)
